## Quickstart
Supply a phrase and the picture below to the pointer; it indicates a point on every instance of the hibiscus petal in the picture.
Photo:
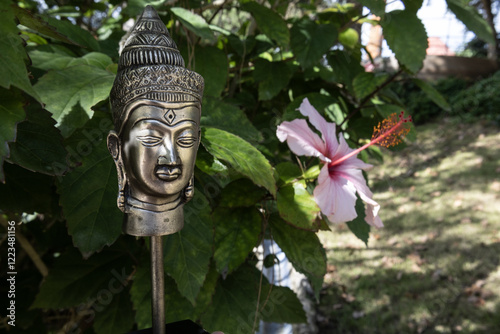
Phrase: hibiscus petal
(327, 129)
(371, 207)
(336, 197)
(342, 149)
(356, 163)
(353, 163)
(301, 139)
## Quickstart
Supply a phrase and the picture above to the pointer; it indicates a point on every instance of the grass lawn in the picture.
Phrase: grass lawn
(435, 267)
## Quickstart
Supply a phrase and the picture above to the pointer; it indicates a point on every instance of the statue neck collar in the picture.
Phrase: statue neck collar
(137, 204)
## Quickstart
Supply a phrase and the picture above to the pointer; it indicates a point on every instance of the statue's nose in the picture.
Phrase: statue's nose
(168, 154)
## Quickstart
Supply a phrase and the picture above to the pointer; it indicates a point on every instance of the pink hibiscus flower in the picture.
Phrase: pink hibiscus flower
(341, 176)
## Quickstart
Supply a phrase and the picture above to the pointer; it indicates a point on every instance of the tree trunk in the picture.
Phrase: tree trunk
(492, 47)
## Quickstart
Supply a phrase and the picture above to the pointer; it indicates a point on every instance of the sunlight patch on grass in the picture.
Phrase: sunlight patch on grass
(435, 265)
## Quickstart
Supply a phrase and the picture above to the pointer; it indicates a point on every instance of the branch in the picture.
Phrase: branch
(368, 98)
(209, 21)
(219, 8)
(26, 246)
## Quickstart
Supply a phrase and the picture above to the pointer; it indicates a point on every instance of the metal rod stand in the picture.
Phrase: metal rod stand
(157, 285)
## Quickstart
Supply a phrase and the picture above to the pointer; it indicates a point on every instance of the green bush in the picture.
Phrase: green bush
(419, 103)
(468, 100)
(479, 100)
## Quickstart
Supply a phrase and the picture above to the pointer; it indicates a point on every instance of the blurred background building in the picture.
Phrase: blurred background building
(449, 52)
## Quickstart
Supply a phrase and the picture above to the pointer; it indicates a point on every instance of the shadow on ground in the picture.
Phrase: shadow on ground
(435, 266)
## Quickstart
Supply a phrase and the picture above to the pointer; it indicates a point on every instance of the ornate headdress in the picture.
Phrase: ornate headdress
(151, 68)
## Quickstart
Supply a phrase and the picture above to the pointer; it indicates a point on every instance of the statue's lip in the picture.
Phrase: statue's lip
(168, 173)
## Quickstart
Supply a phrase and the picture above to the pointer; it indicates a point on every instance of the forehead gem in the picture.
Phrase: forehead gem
(170, 116)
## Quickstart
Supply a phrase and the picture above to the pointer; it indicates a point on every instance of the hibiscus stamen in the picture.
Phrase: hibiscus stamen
(391, 130)
(387, 133)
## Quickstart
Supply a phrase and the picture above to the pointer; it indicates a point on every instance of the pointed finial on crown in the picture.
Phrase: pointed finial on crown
(149, 43)
(151, 68)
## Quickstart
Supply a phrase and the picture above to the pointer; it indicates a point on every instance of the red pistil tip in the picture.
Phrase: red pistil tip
(391, 130)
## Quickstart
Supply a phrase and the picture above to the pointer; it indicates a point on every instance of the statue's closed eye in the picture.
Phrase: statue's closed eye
(186, 141)
(149, 141)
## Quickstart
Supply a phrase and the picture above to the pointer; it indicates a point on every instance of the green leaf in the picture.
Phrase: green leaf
(234, 307)
(73, 121)
(346, 64)
(270, 260)
(177, 307)
(210, 165)
(269, 22)
(60, 90)
(34, 22)
(88, 194)
(303, 249)
(385, 110)
(242, 156)
(117, 317)
(413, 5)
(281, 305)
(366, 83)
(262, 44)
(204, 298)
(377, 7)
(320, 101)
(472, 19)
(359, 226)
(237, 232)
(272, 77)
(397, 26)
(73, 280)
(33, 38)
(55, 61)
(220, 30)
(227, 117)
(432, 94)
(11, 113)
(241, 193)
(188, 252)
(312, 173)
(39, 145)
(349, 38)
(25, 191)
(75, 33)
(234, 303)
(83, 141)
(297, 206)
(241, 44)
(310, 40)
(193, 22)
(288, 172)
(212, 64)
(13, 57)
(140, 294)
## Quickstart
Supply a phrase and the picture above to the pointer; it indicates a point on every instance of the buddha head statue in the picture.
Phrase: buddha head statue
(156, 106)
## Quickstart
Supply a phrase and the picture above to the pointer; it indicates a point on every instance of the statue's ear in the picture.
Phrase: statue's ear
(189, 190)
(114, 145)
(114, 150)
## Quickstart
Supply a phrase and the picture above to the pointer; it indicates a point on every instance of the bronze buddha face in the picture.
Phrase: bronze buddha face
(159, 145)
(156, 105)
